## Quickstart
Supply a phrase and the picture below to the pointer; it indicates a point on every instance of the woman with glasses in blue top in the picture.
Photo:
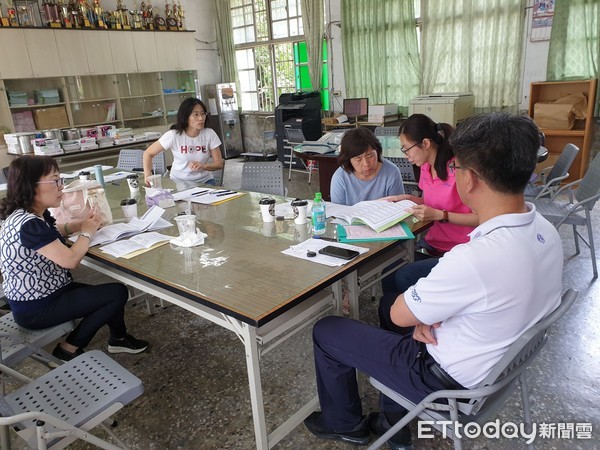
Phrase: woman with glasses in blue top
(35, 264)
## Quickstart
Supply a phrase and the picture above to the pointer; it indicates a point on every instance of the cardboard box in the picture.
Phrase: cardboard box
(46, 118)
(554, 116)
(378, 112)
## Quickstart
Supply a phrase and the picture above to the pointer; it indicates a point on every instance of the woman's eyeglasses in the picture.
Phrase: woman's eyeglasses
(452, 166)
(59, 182)
(405, 150)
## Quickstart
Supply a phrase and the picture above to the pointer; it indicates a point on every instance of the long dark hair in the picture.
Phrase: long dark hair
(418, 127)
(184, 112)
(23, 174)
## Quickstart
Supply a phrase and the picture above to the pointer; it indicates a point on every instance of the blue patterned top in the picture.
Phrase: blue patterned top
(27, 274)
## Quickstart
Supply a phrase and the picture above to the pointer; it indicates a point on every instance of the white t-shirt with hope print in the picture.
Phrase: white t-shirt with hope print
(186, 149)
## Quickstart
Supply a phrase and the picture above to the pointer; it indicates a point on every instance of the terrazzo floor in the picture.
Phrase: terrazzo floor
(196, 389)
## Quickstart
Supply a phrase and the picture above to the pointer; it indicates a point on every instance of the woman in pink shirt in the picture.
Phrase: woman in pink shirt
(425, 144)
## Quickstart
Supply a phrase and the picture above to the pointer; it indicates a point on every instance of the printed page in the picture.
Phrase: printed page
(357, 232)
(381, 214)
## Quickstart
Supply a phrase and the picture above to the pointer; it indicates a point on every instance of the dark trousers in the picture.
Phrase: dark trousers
(96, 306)
(342, 346)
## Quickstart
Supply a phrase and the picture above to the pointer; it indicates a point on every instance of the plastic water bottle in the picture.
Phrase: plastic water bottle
(99, 174)
(319, 218)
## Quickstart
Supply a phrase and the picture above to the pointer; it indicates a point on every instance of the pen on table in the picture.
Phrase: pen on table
(199, 193)
(225, 193)
(324, 238)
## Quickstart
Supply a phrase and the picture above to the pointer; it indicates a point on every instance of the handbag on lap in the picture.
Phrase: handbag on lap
(79, 198)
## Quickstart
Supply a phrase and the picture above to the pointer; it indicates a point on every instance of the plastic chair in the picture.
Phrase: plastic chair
(294, 137)
(133, 159)
(65, 403)
(549, 179)
(17, 343)
(478, 404)
(387, 131)
(4, 175)
(265, 177)
(578, 210)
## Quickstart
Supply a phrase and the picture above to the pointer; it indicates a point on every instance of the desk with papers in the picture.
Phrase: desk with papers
(240, 280)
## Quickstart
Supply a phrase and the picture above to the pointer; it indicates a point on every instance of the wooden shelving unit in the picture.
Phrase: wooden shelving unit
(580, 135)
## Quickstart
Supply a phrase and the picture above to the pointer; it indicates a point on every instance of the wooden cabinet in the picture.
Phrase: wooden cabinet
(582, 133)
(146, 57)
(43, 53)
(99, 56)
(123, 51)
(71, 51)
(13, 54)
(177, 50)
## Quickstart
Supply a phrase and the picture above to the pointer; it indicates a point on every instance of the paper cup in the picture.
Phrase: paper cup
(133, 181)
(300, 209)
(84, 175)
(129, 207)
(267, 209)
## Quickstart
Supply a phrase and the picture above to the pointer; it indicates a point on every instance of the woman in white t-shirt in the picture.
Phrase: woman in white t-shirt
(192, 145)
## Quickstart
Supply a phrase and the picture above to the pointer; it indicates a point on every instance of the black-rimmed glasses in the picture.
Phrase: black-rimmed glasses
(452, 166)
(59, 182)
(405, 150)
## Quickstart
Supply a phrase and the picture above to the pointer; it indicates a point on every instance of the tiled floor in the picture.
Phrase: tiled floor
(196, 389)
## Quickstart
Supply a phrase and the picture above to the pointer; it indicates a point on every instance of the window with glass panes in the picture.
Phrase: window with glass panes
(270, 51)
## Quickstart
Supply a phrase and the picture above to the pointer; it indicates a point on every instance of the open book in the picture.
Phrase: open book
(378, 214)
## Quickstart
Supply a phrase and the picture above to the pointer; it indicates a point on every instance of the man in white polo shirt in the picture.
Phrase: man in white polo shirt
(478, 300)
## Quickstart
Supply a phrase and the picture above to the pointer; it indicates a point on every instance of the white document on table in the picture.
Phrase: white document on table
(314, 245)
(188, 193)
(116, 176)
(135, 243)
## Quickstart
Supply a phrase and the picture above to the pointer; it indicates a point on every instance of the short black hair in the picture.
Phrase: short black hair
(184, 112)
(354, 143)
(23, 174)
(500, 147)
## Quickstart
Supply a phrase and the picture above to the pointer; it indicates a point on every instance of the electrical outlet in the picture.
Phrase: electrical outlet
(336, 93)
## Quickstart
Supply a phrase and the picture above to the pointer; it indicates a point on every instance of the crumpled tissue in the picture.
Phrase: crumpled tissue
(189, 241)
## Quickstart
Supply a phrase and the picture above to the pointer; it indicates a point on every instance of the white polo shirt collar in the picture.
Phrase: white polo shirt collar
(505, 220)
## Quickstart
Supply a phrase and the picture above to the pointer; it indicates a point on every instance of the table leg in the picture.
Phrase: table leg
(352, 282)
(248, 334)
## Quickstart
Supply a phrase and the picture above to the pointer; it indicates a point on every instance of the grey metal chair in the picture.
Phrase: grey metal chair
(407, 171)
(549, 179)
(218, 174)
(387, 131)
(477, 405)
(578, 210)
(294, 137)
(266, 177)
(65, 403)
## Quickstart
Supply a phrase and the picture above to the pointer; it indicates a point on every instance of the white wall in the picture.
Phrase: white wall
(534, 66)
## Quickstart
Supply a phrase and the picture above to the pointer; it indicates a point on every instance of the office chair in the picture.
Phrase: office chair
(295, 137)
(578, 210)
(477, 405)
(549, 179)
(131, 159)
(266, 177)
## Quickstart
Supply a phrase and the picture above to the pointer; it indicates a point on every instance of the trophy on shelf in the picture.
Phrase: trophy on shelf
(86, 18)
(147, 22)
(159, 22)
(51, 14)
(11, 12)
(122, 16)
(3, 20)
(63, 14)
(136, 17)
(180, 17)
(171, 21)
(75, 14)
(99, 13)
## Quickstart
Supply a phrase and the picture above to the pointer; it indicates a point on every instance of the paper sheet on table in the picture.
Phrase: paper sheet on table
(116, 176)
(300, 251)
(188, 193)
(216, 198)
(89, 169)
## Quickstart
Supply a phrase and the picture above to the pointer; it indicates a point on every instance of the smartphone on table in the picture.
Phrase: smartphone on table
(339, 252)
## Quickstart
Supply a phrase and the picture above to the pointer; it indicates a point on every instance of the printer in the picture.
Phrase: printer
(450, 108)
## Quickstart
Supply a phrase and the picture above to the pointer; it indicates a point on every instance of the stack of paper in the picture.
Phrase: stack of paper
(206, 196)
(378, 214)
(136, 244)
